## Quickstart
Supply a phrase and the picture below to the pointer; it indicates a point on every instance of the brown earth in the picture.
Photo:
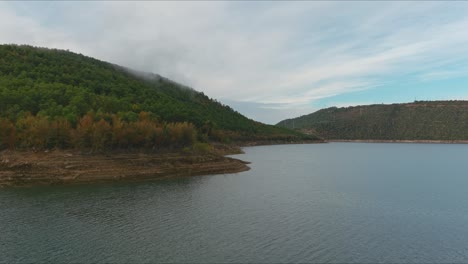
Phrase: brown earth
(23, 168)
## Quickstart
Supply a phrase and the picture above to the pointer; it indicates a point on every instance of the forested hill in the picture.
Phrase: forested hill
(56, 98)
(421, 120)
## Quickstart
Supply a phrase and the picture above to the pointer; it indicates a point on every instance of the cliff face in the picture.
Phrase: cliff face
(19, 168)
(434, 120)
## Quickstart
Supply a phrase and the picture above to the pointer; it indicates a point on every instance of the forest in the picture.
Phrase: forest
(420, 120)
(59, 99)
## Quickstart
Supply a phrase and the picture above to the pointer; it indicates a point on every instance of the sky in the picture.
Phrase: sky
(268, 60)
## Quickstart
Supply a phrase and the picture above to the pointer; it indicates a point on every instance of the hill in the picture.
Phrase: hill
(58, 99)
(420, 120)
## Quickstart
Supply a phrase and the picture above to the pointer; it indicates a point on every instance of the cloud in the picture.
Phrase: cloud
(443, 74)
(20, 29)
(266, 56)
(319, 92)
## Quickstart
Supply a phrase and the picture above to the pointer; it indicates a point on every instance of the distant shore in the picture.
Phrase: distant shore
(278, 142)
(27, 168)
(401, 141)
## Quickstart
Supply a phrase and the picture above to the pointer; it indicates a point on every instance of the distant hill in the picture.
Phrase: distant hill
(420, 120)
(56, 98)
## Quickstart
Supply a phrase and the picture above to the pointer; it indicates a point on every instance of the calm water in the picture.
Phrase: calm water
(338, 202)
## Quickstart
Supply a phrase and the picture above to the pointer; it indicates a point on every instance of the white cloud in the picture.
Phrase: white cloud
(18, 29)
(442, 74)
(324, 91)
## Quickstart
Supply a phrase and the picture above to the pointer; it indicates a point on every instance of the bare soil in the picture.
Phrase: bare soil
(24, 168)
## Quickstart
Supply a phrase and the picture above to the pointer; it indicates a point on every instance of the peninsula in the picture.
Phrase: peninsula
(69, 118)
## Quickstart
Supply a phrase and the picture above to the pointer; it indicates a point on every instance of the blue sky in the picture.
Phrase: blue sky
(268, 60)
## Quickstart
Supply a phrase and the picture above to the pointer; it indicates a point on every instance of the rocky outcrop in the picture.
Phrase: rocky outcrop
(21, 168)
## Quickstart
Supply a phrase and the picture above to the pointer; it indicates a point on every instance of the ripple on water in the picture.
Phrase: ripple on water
(338, 202)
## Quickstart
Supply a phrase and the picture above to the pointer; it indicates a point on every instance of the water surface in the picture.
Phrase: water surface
(337, 202)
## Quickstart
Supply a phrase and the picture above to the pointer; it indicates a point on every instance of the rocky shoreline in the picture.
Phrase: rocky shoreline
(26, 168)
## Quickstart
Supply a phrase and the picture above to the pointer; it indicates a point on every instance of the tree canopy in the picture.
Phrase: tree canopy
(420, 120)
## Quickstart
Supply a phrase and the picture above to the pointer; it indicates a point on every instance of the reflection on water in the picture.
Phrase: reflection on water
(339, 202)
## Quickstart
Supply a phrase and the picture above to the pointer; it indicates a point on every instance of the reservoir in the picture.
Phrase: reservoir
(336, 202)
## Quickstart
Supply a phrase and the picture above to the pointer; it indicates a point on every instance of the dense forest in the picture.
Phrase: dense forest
(420, 120)
(58, 99)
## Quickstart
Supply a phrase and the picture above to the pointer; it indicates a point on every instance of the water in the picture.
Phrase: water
(338, 202)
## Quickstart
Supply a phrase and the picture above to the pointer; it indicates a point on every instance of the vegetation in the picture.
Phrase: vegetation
(59, 99)
(420, 120)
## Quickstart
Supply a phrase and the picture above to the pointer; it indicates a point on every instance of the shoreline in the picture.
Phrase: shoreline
(56, 167)
(400, 141)
(280, 142)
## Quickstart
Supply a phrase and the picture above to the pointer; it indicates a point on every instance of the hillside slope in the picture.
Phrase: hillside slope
(420, 120)
(43, 87)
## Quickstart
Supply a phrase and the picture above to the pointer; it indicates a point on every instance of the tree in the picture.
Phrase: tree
(7, 134)
(101, 135)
